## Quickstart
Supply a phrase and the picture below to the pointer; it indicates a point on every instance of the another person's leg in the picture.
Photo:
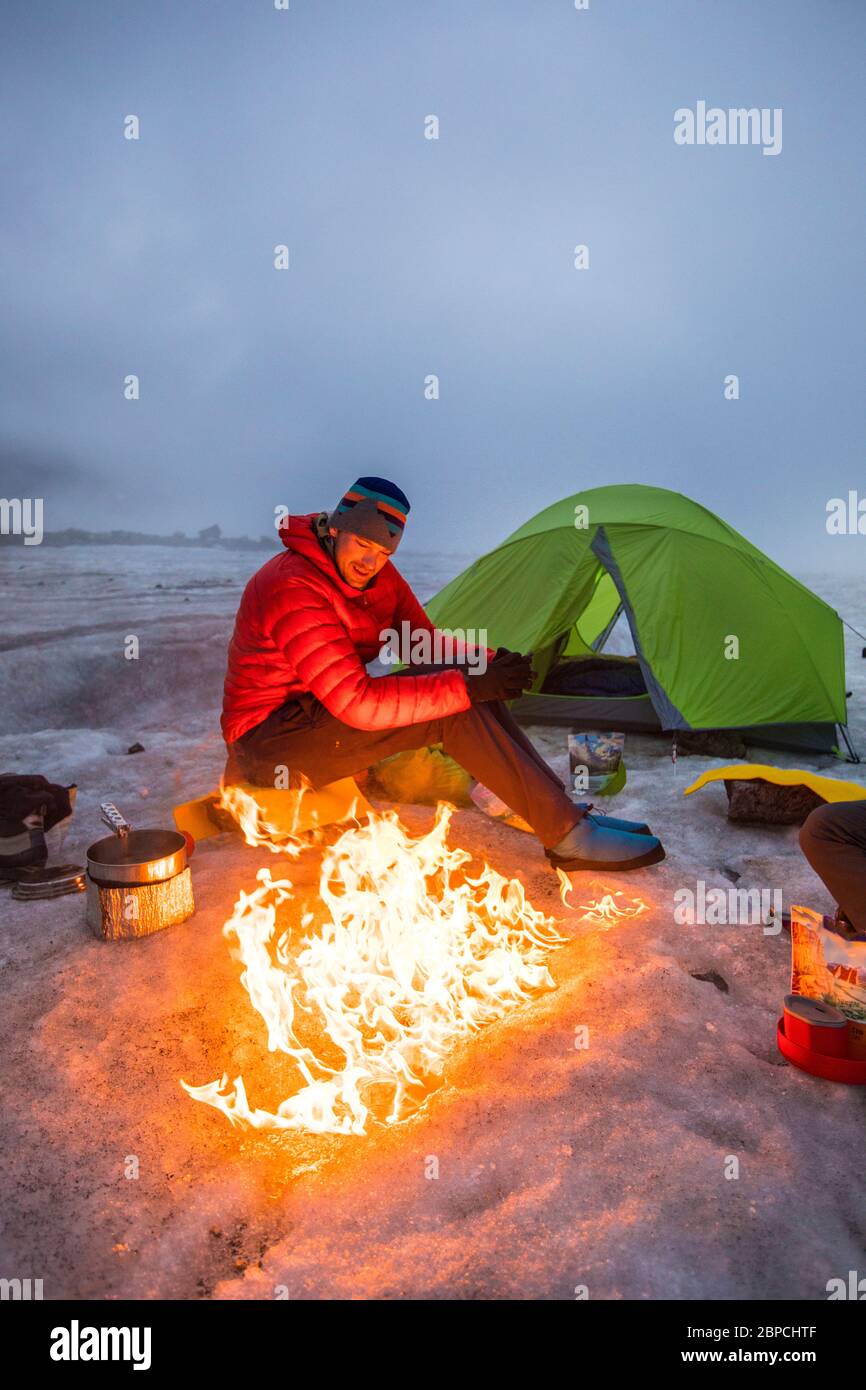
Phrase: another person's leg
(833, 839)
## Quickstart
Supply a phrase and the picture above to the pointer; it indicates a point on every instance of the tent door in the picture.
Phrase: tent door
(668, 715)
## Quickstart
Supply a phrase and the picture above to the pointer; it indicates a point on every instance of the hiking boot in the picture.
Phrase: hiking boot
(589, 845)
(633, 827)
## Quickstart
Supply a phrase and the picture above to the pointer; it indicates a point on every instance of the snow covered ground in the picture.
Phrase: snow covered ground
(558, 1167)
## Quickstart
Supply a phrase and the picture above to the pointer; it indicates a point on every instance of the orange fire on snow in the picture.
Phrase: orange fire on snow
(604, 911)
(257, 830)
(413, 955)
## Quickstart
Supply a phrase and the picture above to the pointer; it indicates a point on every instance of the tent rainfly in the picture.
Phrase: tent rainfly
(724, 638)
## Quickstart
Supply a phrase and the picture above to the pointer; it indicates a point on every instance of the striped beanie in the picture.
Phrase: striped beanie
(372, 508)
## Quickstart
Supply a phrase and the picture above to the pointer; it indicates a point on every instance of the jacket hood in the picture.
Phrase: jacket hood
(298, 534)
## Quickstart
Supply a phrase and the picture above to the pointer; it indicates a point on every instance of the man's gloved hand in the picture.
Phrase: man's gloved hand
(506, 676)
(518, 656)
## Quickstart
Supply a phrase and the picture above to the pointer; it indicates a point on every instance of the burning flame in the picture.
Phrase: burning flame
(414, 955)
(258, 831)
(601, 912)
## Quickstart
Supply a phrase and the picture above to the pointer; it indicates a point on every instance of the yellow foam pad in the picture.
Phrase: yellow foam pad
(829, 788)
(286, 811)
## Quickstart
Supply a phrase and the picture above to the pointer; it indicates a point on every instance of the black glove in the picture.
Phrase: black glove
(24, 797)
(507, 675)
(29, 806)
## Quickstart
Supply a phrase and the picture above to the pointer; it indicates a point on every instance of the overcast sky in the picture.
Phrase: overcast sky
(411, 256)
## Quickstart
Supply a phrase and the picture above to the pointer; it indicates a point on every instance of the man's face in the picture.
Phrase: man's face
(358, 560)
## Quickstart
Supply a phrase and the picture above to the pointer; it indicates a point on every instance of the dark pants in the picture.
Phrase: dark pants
(302, 736)
(833, 839)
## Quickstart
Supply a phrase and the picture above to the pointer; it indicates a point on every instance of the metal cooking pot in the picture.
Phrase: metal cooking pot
(134, 856)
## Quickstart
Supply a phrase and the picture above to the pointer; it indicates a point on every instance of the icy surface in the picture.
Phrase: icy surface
(557, 1166)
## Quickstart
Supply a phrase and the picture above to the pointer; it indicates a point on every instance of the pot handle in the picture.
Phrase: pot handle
(114, 820)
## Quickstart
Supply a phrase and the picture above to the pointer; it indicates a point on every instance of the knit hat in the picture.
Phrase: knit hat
(375, 509)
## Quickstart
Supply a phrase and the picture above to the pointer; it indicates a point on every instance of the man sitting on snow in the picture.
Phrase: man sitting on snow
(297, 694)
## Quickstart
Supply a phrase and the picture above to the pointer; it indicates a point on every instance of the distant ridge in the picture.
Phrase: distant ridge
(211, 538)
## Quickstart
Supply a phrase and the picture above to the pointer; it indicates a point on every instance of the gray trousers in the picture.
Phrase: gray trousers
(833, 839)
(485, 740)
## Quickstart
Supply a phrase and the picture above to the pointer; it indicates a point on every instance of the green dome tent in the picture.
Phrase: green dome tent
(724, 638)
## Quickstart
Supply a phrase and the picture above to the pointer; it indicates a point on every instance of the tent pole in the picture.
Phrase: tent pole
(852, 754)
(600, 641)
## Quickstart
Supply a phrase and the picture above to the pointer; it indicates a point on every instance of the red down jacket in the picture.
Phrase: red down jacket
(300, 627)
